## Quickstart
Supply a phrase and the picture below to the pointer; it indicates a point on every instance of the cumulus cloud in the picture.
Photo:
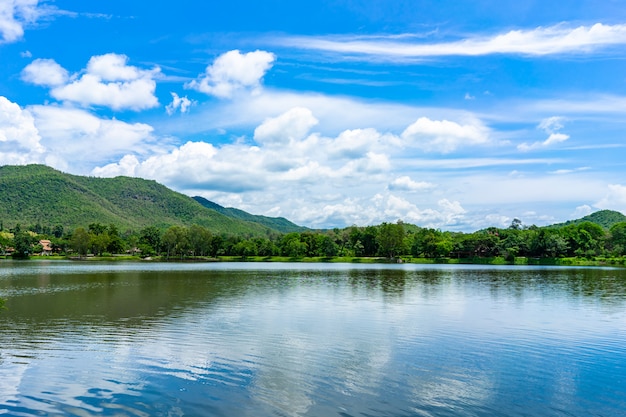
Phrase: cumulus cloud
(232, 72)
(377, 209)
(20, 141)
(45, 72)
(551, 126)
(178, 103)
(290, 126)
(405, 183)
(68, 132)
(444, 136)
(291, 170)
(550, 40)
(394, 207)
(107, 81)
(355, 143)
(615, 198)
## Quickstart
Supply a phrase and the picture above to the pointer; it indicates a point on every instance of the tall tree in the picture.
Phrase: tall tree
(80, 241)
(391, 238)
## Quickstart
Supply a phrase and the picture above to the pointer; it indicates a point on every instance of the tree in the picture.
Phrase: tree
(115, 244)
(292, 246)
(176, 241)
(617, 239)
(516, 224)
(391, 238)
(245, 248)
(98, 243)
(58, 231)
(80, 241)
(23, 243)
(150, 240)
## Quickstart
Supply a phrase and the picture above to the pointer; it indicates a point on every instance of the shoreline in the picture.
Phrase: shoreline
(522, 261)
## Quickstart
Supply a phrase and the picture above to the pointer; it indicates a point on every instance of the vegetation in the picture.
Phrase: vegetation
(604, 218)
(275, 223)
(48, 199)
(516, 244)
(81, 216)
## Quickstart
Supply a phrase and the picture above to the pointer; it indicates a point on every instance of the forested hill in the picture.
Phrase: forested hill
(277, 223)
(604, 218)
(37, 194)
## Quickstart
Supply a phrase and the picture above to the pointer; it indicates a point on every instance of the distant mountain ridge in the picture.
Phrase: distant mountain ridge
(604, 218)
(277, 223)
(38, 194)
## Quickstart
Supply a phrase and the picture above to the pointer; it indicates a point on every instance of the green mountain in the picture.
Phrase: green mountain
(277, 223)
(37, 194)
(604, 218)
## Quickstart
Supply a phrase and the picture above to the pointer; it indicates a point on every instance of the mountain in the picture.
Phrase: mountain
(277, 223)
(37, 194)
(604, 218)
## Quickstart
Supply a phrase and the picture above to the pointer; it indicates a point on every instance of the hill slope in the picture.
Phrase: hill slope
(39, 194)
(277, 223)
(604, 218)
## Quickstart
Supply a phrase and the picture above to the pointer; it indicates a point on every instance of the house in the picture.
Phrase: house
(46, 247)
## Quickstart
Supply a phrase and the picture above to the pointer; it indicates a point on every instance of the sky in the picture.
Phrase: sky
(456, 115)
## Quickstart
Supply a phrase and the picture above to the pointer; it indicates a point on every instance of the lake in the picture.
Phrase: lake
(274, 339)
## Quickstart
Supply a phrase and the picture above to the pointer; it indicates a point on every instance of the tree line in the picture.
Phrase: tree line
(388, 240)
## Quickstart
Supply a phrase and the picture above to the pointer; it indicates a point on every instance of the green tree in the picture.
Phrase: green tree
(23, 244)
(80, 241)
(116, 244)
(617, 238)
(391, 239)
(99, 243)
(176, 241)
(292, 246)
(150, 240)
(57, 231)
(199, 240)
(245, 248)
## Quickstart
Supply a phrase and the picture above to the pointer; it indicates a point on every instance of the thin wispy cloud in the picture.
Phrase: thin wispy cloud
(541, 41)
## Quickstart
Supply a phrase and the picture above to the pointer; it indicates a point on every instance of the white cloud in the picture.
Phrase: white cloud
(14, 15)
(45, 72)
(113, 67)
(69, 134)
(107, 81)
(551, 126)
(126, 167)
(178, 103)
(559, 39)
(232, 72)
(355, 143)
(615, 198)
(405, 183)
(444, 136)
(20, 142)
(313, 178)
(555, 138)
(290, 126)
(110, 82)
(582, 211)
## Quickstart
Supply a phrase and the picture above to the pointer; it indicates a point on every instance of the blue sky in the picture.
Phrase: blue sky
(456, 115)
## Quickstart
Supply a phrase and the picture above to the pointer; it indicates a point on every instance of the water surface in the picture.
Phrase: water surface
(223, 339)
